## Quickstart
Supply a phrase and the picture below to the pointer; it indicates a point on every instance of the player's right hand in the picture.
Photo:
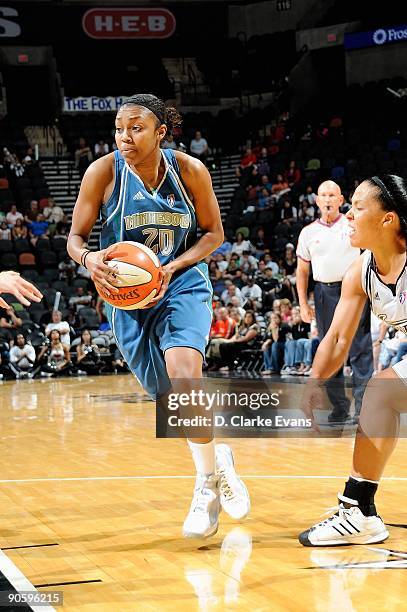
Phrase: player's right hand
(307, 313)
(25, 292)
(100, 272)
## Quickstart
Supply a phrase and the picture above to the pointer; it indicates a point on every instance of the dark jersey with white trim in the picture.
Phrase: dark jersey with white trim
(164, 220)
(388, 302)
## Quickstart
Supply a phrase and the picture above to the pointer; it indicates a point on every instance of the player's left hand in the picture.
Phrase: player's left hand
(312, 398)
(167, 272)
(25, 292)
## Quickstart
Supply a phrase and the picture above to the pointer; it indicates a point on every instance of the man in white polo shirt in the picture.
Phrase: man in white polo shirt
(325, 245)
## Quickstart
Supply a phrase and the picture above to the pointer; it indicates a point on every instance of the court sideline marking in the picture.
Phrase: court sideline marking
(177, 477)
(19, 582)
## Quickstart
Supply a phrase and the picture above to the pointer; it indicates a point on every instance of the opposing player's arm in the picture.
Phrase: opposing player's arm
(95, 185)
(199, 184)
(334, 347)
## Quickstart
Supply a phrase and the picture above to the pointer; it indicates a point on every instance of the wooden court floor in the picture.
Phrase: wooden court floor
(92, 504)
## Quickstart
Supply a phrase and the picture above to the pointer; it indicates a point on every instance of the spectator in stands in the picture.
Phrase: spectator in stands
(264, 200)
(270, 263)
(13, 215)
(222, 329)
(245, 337)
(270, 287)
(246, 166)
(223, 326)
(199, 147)
(307, 212)
(265, 183)
(169, 143)
(241, 244)
(259, 242)
(297, 353)
(289, 263)
(53, 214)
(309, 197)
(288, 213)
(10, 323)
(67, 269)
(118, 363)
(38, 229)
(33, 211)
(80, 300)
(292, 176)
(248, 263)
(232, 272)
(61, 326)
(5, 231)
(83, 157)
(16, 166)
(231, 291)
(285, 310)
(222, 261)
(55, 353)
(280, 186)
(101, 149)
(29, 157)
(88, 355)
(22, 358)
(19, 230)
(274, 345)
(252, 292)
(263, 165)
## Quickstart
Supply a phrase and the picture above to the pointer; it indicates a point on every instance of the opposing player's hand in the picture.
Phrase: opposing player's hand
(307, 313)
(167, 272)
(312, 399)
(25, 292)
(100, 272)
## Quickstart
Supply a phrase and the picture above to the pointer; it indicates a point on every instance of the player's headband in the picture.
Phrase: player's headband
(384, 191)
(145, 103)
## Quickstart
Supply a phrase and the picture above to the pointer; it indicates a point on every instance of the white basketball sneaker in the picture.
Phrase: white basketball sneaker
(203, 517)
(348, 526)
(234, 497)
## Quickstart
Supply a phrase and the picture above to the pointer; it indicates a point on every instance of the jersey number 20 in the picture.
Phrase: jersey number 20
(159, 240)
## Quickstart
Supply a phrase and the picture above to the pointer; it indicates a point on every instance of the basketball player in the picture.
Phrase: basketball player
(378, 222)
(157, 197)
(25, 292)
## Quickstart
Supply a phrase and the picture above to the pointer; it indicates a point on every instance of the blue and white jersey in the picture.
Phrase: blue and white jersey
(164, 220)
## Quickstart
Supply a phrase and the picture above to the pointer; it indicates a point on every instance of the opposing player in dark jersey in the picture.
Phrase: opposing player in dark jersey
(378, 223)
(158, 197)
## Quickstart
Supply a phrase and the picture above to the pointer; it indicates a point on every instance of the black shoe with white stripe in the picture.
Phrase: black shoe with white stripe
(348, 526)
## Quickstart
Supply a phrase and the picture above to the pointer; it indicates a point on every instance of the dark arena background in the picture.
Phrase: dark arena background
(277, 97)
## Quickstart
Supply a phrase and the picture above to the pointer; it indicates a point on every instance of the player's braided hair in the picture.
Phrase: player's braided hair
(165, 114)
(392, 194)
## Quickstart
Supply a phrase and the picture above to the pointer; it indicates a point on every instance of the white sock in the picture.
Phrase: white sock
(204, 457)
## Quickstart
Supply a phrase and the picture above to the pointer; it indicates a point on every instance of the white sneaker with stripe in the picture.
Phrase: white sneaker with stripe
(347, 526)
(234, 497)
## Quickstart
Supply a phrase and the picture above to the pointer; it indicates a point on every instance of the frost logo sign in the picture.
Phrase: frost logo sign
(379, 37)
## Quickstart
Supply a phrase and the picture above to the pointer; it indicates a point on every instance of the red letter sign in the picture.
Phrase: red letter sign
(128, 23)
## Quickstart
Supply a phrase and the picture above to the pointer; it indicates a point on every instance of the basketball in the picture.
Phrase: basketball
(138, 275)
